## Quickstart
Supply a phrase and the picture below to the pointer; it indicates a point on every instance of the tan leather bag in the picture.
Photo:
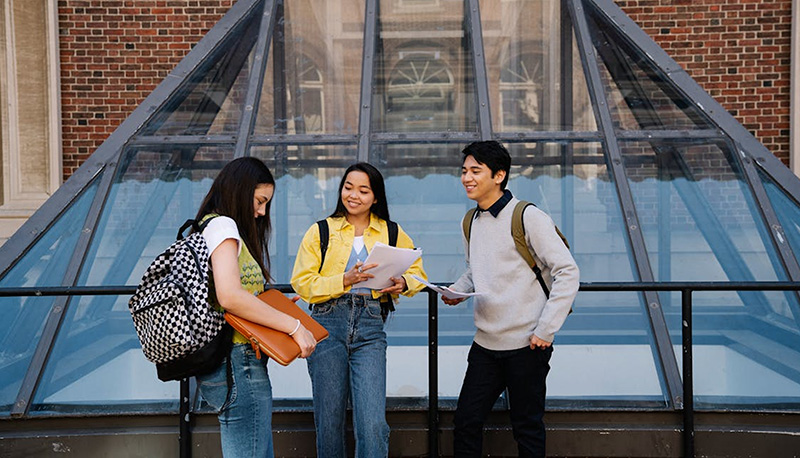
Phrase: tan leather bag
(276, 344)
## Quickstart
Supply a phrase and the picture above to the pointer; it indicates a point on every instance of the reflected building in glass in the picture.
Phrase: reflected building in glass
(647, 176)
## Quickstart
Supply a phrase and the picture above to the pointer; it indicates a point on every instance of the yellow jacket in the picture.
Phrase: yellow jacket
(316, 287)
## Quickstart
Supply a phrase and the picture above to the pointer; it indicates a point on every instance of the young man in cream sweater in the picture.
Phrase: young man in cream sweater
(515, 319)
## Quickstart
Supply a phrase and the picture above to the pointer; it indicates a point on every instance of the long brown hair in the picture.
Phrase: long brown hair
(231, 195)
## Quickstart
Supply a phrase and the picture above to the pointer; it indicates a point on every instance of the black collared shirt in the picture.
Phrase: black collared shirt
(499, 204)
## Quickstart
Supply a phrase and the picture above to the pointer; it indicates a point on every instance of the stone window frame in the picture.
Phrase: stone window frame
(23, 189)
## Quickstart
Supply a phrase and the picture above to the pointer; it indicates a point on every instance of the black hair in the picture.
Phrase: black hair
(231, 195)
(491, 154)
(380, 207)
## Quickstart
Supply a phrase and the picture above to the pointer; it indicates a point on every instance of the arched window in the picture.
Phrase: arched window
(420, 89)
(308, 101)
(521, 92)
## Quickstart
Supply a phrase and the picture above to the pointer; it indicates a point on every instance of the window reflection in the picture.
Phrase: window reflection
(521, 86)
(423, 71)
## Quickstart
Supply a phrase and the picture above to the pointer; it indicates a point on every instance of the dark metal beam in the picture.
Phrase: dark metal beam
(475, 31)
(665, 354)
(256, 78)
(371, 31)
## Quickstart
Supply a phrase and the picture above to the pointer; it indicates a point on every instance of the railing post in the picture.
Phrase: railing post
(688, 392)
(185, 434)
(433, 375)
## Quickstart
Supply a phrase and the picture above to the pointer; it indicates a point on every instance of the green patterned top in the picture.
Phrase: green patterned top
(250, 275)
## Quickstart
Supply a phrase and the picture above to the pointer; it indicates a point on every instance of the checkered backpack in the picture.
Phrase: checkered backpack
(179, 330)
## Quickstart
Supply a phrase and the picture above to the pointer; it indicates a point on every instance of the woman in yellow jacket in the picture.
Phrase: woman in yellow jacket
(351, 362)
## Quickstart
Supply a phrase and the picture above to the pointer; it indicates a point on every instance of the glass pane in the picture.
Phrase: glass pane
(639, 96)
(318, 84)
(307, 185)
(426, 198)
(606, 331)
(155, 191)
(786, 208)
(700, 223)
(532, 86)
(423, 69)
(43, 265)
(212, 98)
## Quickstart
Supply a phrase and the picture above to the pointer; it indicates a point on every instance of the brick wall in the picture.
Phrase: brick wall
(737, 50)
(113, 54)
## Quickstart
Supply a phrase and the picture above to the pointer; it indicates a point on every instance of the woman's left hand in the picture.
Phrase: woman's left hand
(398, 287)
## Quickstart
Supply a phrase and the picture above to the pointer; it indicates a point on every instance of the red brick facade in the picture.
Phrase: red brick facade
(115, 52)
(737, 50)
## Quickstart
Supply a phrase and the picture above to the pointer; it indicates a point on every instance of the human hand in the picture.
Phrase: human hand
(357, 274)
(399, 285)
(305, 340)
(455, 301)
(537, 343)
(295, 299)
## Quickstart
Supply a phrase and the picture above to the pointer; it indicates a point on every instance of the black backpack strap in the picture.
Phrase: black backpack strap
(387, 306)
(323, 240)
(392, 226)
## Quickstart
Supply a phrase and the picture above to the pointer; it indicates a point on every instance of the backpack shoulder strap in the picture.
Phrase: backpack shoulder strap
(466, 223)
(323, 240)
(392, 227)
(518, 232)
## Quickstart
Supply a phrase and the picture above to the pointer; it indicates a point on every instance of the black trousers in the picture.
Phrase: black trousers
(489, 373)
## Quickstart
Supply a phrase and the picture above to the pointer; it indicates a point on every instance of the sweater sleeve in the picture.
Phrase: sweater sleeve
(309, 284)
(552, 255)
(464, 283)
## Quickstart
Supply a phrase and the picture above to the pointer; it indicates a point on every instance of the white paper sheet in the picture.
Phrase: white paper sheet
(391, 262)
(445, 291)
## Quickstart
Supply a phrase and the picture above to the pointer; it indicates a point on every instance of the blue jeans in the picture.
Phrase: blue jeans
(245, 417)
(523, 372)
(350, 363)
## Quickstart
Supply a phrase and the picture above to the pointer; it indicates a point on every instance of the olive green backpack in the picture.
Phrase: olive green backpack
(518, 232)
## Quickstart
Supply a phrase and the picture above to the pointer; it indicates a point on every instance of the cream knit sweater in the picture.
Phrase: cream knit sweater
(512, 306)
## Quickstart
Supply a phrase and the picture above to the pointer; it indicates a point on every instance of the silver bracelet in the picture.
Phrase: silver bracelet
(295, 328)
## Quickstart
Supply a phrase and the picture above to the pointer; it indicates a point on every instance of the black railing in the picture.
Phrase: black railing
(686, 289)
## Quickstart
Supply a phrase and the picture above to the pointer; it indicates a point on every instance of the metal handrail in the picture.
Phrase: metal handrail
(686, 289)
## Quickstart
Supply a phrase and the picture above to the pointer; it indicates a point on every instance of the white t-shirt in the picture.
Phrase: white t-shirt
(220, 229)
(358, 243)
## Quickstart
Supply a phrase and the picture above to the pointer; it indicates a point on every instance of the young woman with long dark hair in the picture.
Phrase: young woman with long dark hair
(351, 362)
(237, 237)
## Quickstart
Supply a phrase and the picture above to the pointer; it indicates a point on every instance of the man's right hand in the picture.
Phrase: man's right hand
(453, 301)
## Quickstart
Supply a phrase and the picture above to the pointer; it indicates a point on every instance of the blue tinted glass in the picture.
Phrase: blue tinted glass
(700, 224)
(155, 191)
(786, 208)
(44, 265)
(605, 348)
